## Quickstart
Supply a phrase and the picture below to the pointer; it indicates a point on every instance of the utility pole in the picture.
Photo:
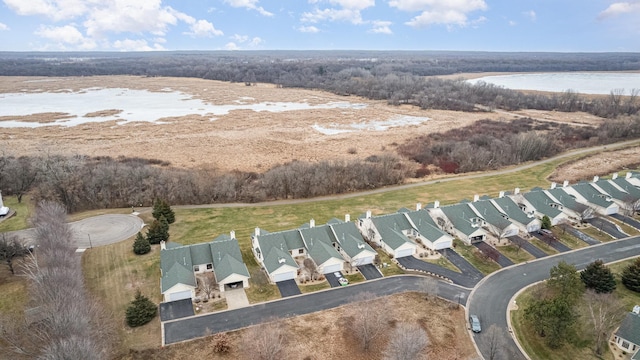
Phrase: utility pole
(90, 244)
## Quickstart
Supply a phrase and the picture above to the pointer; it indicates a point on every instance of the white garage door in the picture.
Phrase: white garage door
(332, 268)
(365, 260)
(284, 276)
(404, 252)
(180, 295)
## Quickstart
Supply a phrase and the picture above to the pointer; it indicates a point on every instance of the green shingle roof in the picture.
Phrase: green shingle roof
(513, 210)
(540, 201)
(320, 252)
(460, 216)
(390, 227)
(350, 239)
(491, 214)
(425, 225)
(177, 274)
(275, 258)
(227, 258)
(319, 241)
(592, 195)
(627, 186)
(567, 200)
(614, 191)
(630, 328)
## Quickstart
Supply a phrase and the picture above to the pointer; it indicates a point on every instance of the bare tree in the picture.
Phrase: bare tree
(603, 312)
(369, 319)
(518, 242)
(408, 342)
(494, 343)
(311, 268)
(498, 229)
(429, 286)
(208, 284)
(70, 324)
(265, 342)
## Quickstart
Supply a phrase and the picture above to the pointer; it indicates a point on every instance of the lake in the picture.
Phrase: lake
(582, 82)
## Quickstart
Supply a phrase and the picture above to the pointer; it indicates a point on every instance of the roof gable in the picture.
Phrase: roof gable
(177, 274)
(425, 225)
(592, 195)
(513, 210)
(461, 216)
(630, 328)
(277, 258)
(542, 203)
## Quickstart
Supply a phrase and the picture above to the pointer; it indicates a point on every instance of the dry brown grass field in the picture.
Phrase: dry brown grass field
(241, 140)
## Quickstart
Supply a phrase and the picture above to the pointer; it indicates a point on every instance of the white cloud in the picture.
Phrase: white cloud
(318, 15)
(248, 4)
(203, 28)
(134, 16)
(135, 45)
(240, 38)
(381, 27)
(54, 9)
(66, 35)
(231, 46)
(512, 23)
(256, 41)
(308, 29)
(3, 27)
(348, 10)
(530, 14)
(620, 8)
(439, 12)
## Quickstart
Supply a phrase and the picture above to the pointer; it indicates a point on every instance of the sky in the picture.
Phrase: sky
(464, 25)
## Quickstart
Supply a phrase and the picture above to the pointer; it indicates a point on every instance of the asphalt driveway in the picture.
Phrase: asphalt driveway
(502, 260)
(554, 243)
(580, 235)
(461, 263)
(332, 280)
(173, 310)
(627, 220)
(288, 288)
(411, 263)
(527, 246)
(608, 227)
(369, 271)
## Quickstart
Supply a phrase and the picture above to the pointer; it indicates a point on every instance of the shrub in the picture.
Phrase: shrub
(221, 343)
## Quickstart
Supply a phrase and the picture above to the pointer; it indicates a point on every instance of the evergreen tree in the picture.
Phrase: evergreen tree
(546, 222)
(158, 231)
(565, 282)
(631, 276)
(140, 311)
(162, 208)
(141, 245)
(598, 277)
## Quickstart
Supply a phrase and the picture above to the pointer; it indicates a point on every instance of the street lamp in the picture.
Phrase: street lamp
(90, 244)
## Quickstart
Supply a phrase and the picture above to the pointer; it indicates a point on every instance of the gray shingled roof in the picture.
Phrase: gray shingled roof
(460, 216)
(540, 201)
(630, 328)
(513, 210)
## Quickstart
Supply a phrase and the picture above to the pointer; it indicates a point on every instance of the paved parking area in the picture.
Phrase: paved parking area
(370, 271)
(288, 288)
(176, 309)
(236, 298)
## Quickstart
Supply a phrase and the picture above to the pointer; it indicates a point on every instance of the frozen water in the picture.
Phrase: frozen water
(374, 125)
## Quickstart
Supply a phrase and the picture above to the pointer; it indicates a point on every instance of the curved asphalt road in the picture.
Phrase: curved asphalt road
(202, 325)
(490, 299)
(95, 231)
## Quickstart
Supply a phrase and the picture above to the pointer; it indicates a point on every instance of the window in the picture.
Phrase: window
(209, 266)
(196, 268)
(625, 344)
(301, 251)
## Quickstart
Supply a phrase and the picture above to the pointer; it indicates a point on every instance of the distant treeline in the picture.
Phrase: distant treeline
(489, 144)
(83, 183)
(398, 77)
